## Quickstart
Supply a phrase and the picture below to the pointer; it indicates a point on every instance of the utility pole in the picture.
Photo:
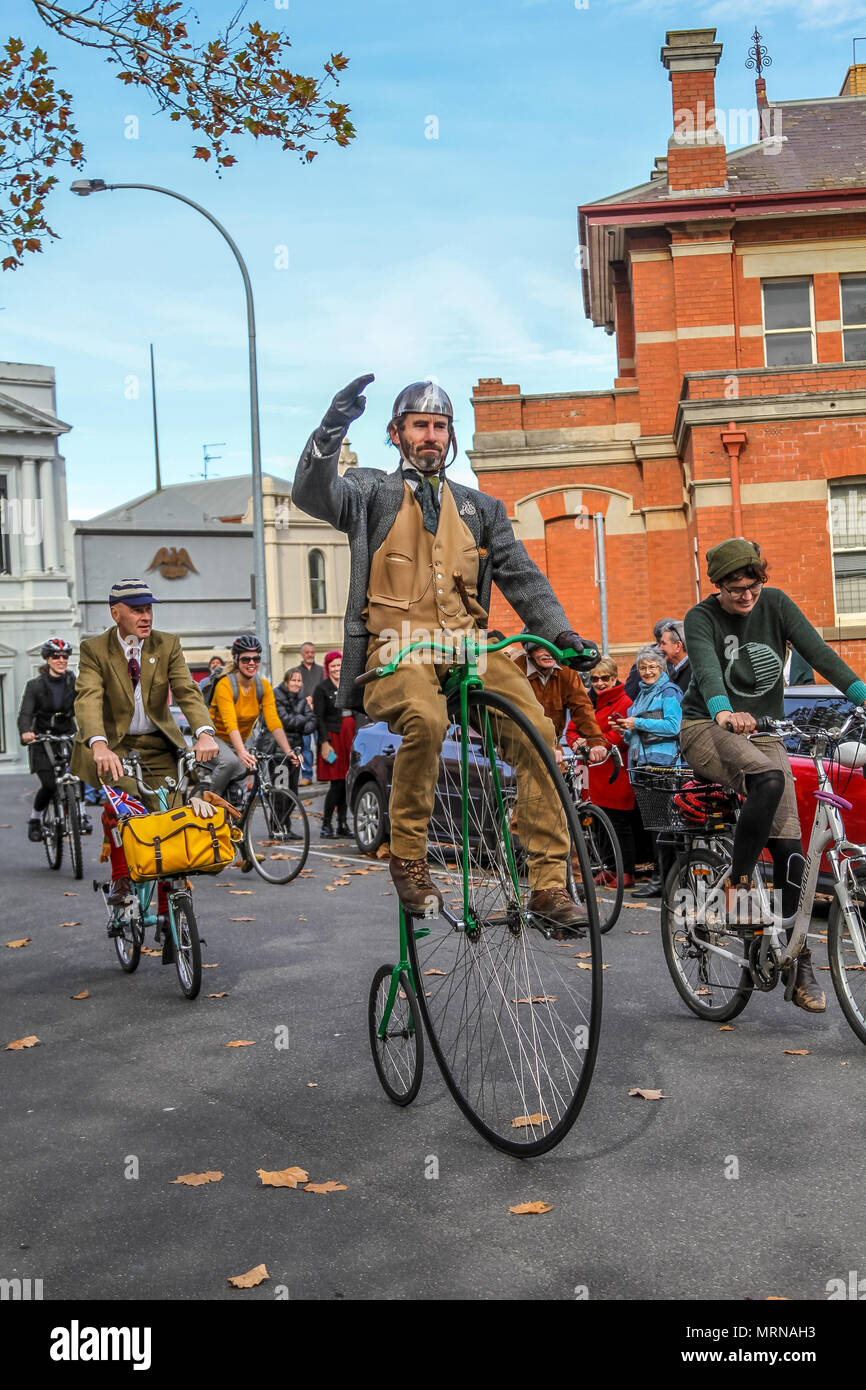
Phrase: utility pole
(155, 431)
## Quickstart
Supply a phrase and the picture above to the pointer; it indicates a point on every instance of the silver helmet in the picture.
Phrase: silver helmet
(425, 398)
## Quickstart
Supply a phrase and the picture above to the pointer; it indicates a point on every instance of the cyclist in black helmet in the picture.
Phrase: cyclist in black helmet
(237, 698)
(47, 708)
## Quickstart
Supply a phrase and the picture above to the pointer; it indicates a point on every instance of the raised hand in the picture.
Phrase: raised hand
(346, 406)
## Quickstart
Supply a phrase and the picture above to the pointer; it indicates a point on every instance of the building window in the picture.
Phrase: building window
(853, 290)
(318, 597)
(2, 714)
(789, 329)
(848, 535)
(5, 551)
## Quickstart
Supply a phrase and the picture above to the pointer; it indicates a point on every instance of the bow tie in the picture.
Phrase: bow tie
(427, 494)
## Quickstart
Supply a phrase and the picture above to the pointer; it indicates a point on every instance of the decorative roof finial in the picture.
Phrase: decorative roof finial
(758, 57)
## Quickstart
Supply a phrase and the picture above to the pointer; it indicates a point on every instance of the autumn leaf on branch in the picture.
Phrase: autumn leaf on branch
(235, 84)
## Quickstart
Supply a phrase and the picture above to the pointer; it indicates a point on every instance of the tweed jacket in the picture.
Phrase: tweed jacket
(365, 502)
(104, 701)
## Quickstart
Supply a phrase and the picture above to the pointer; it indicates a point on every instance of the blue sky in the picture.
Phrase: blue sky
(407, 256)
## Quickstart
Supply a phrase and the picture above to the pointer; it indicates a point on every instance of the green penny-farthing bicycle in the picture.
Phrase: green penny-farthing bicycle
(510, 1002)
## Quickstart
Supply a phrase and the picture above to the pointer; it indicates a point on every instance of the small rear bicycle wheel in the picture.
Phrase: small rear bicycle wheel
(605, 859)
(73, 829)
(52, 832)
(846, 972)
(511, 1000)
(128, 944)
(714, 987)
(187, 948)
(398, 1056)
(277, 835)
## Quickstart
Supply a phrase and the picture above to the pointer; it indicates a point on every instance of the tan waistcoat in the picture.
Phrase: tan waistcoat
(411, 585)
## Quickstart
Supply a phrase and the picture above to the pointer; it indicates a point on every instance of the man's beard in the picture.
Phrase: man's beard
(423, 461)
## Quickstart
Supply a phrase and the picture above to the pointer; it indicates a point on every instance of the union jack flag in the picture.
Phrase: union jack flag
(123, 804)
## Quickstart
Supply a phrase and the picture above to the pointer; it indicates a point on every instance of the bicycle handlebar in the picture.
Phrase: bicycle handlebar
(132, 768)
(611, 753)
(456, 651)
(764, 724)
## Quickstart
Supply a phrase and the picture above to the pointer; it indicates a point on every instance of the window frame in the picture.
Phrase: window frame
(834, 486)
(778, 332)
(319, 579)
(854, 327)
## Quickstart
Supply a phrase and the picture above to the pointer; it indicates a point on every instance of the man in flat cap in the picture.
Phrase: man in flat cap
(122, 705)
(737, 641)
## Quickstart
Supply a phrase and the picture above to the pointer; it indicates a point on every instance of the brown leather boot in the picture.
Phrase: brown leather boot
(119, 893)
(415, 888)
(559, 910)
(808, 994)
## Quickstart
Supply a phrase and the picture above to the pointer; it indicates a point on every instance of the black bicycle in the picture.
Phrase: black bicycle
(602, 844)
(63, 817)
(274, 825)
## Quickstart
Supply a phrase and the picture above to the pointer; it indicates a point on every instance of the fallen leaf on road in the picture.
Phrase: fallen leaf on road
(522, 1121)
(69, 895)
(150, 951)
(583, 955)
(17, 1045)
(85, 994)
(726, 1028)
(222, 995)
(388, 893)
(240, 892)
(250, 1279)
(196, 1179)
(284, 1177)
(359, 871)
(242, 919)
(531, 1209)
(302, 919)
(637, 933)
(777, 1298)
(703, 990)
(583, 965)
(242, 1042)
(70, 924)
(434, 972)
(5, 827)
(855, 967)
(312, 1083)
(212, 966)
(646, 1094)
(14, 945)
(796, 1051)
(535, 999)
(325, 1187)
(383, 851)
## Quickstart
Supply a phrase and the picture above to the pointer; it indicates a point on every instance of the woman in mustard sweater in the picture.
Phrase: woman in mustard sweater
(234, 719)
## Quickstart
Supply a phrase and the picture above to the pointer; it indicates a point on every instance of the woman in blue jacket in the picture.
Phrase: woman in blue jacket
(650, 729)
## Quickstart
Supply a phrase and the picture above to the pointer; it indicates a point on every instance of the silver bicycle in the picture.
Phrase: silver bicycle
(715, 966)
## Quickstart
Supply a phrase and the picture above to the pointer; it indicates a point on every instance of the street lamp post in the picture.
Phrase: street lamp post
(83, 187)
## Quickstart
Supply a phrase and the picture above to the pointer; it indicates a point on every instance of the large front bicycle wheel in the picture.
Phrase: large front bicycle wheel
(52, 832)
(73, 829)
(187, 948)
(846, 971)
(605, 860)
(714, 987)
(398, 1055)
(277, 835)
(510, 999)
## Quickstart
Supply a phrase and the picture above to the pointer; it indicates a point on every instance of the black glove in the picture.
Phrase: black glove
(588, 654)
(346, 406)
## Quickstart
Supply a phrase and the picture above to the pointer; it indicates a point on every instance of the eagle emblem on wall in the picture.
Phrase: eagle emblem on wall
(172, 563)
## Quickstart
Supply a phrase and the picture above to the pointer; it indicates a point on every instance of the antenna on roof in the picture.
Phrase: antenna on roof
(209, 458)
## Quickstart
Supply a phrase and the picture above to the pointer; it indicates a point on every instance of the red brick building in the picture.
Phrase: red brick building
(735, 283)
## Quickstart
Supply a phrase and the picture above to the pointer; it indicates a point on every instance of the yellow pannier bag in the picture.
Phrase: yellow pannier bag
(176, 842)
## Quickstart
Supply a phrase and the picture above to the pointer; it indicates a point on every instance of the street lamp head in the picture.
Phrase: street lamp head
(84, 186)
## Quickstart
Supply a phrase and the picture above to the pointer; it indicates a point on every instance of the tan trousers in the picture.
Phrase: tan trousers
(412, 704)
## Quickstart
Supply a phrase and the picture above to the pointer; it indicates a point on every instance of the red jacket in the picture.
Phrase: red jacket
(617, 794)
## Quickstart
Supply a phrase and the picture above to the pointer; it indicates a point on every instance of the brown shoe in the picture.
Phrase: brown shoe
(808, 994)
(415, 888)
(119, 893)
(559, 910)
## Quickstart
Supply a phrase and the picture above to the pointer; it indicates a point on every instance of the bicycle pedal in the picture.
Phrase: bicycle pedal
(114, 929)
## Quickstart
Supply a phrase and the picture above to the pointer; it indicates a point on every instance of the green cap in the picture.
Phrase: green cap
(734, 554)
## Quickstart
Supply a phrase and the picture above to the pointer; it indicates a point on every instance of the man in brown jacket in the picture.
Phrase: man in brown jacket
(121, 706)
(560, 691)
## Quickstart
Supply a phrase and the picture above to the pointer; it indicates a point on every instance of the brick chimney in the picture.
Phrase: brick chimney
(855, 81)
(696, 149)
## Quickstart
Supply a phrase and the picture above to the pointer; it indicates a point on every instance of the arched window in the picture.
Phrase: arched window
(318, 596)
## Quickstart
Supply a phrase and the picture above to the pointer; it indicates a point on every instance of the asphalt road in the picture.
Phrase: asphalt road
(137, 1080)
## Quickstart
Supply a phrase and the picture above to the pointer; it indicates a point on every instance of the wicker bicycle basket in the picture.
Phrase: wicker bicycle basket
(656, 787)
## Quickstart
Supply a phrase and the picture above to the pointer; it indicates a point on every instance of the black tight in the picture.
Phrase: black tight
(45, 794)
(763, 794)
(335, 801)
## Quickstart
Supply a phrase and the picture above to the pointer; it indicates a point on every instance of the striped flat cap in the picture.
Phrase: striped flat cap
(135, 593)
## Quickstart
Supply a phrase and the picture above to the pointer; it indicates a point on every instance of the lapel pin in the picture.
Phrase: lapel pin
(152, 660)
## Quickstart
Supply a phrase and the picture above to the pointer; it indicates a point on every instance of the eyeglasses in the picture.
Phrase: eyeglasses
(256, 659)
(59, 657)
(740, 592)
(594, 680)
